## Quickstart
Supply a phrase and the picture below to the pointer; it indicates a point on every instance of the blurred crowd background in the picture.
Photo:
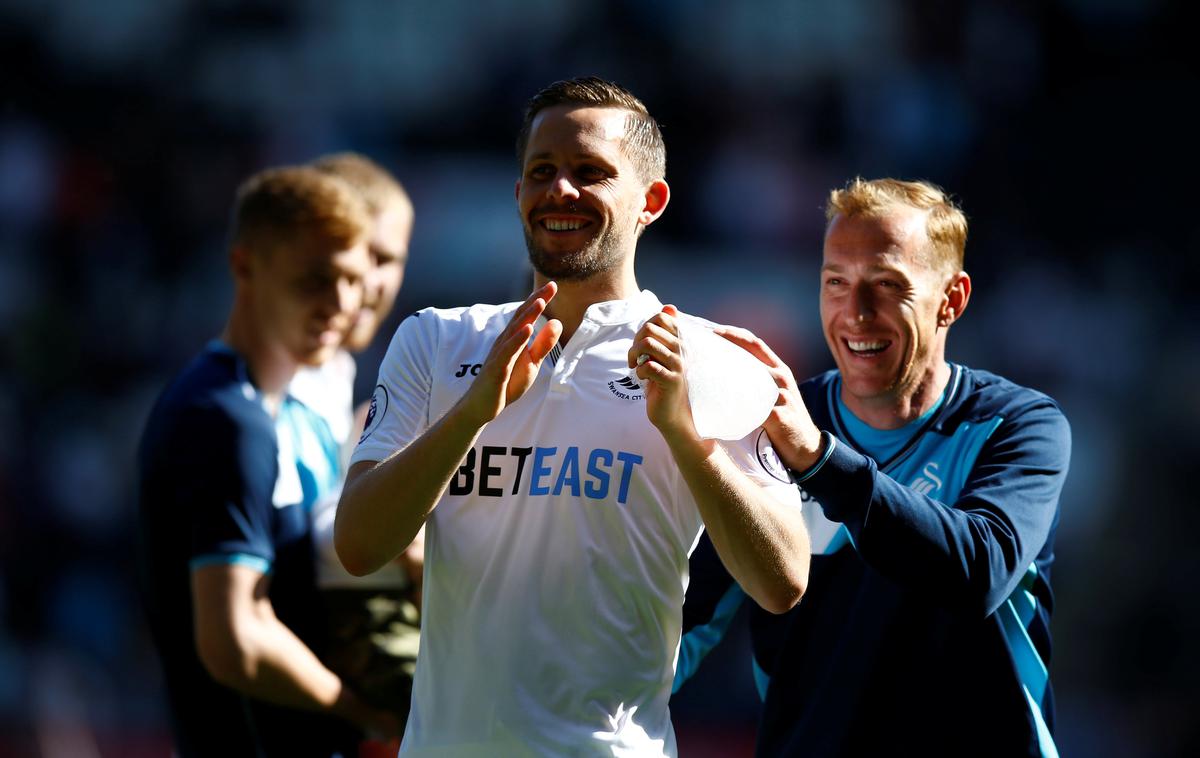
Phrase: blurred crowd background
(1061, 126)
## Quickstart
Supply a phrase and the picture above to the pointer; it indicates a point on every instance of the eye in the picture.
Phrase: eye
(832, 281)
(588, 171)
(313, 283)
(541, 171)
(383, 257)
(896, 285)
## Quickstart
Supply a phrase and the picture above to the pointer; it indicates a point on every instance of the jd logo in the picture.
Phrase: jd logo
(928, 481)
(473, 368)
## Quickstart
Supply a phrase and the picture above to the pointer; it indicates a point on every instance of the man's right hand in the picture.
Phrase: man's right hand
(513, 362)
(385, 503)
(793, 434)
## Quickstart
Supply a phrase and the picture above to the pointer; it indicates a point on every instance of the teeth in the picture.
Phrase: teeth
(559, 225)
(861, 346)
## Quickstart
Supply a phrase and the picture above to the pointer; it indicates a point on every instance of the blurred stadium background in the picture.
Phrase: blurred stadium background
(1060, 125)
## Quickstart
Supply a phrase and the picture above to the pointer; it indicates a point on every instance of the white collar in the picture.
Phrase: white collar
(638, 308)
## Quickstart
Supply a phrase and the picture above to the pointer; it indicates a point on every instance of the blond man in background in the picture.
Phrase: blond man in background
(225, 495)
(373, 621)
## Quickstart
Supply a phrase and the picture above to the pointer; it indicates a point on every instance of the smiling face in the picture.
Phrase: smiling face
(580, 197)
(883, 303)
(305, 296)
(390, 233)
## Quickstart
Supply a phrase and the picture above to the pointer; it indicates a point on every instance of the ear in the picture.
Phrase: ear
(958, 294)
(517, 191)
(239, 262)
(655, 202)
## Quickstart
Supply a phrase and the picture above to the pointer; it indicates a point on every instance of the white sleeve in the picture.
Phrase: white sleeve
(755, 456)
(399, 409)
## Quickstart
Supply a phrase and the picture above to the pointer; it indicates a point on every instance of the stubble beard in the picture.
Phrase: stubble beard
(362, 331)
(601, 254)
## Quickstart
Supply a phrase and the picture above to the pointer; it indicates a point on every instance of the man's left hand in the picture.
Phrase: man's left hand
(664, 375)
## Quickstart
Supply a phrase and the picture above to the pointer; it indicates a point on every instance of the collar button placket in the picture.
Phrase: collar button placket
(571, 356)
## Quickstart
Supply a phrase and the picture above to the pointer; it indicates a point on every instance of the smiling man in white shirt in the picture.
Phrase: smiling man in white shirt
(562, 500)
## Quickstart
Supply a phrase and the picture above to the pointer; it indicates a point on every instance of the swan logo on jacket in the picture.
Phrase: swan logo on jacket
(928, 482)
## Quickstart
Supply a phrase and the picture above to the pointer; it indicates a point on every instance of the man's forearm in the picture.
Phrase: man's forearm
(384, 505)
(269, 662)
(968, 554)
(244, 645)
(762, 542)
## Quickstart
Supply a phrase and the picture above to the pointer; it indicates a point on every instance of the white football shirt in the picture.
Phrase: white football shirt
(328, 390)
(556, 562)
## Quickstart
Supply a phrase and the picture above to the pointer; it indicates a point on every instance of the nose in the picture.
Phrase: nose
(349, 295)
(562, 188)
(862, 303)
(344, 297)
(372, 286)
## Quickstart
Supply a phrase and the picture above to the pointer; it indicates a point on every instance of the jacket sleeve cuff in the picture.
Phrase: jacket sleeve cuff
(828, 442)
(843, 482)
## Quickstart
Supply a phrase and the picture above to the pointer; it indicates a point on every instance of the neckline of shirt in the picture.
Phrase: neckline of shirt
(250, 390)
(887, 445)
(613, 312)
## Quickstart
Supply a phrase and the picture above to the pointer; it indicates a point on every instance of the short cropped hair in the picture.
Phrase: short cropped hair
(945, 224)
(373, 182)
(643, 142)
(280, 206)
